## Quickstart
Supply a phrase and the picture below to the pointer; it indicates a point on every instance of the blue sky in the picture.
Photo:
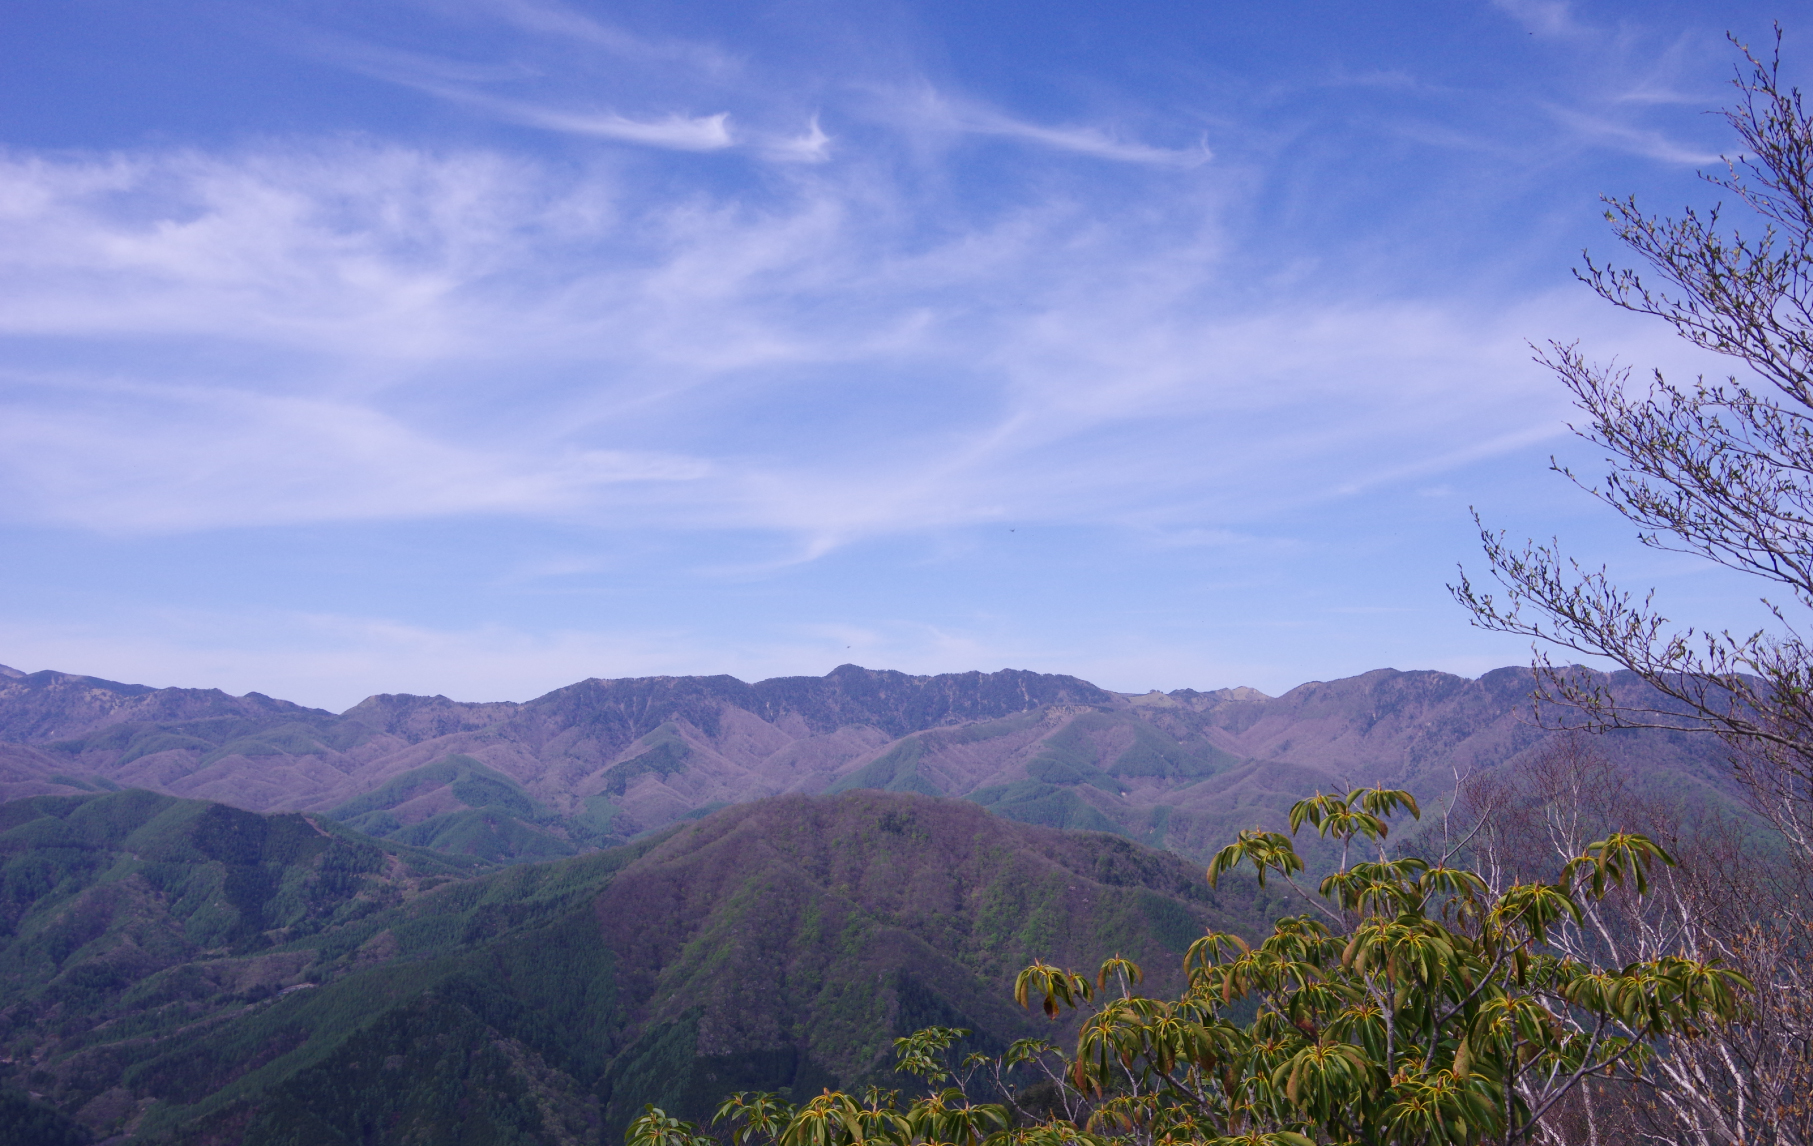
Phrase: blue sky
(479, 346)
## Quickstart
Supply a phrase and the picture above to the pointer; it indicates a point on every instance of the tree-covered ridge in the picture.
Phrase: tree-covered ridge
(777, 944)
(1423, 1005)
(130, 914)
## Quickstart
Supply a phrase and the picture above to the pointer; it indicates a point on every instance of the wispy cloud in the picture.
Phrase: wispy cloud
(1647, 142)
(474, 85)
(559, 21)
(809, 146)
(81, 455)
(345, 332)
(468, 83)
(680, 132)
(926, 109)
(757, 340)
(1090, 141)
(359, 330)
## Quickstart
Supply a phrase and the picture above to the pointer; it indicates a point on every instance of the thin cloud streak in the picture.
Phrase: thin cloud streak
(441, 284)
(925, 109)
(679, 132)
(558, 21)
(454, 81)
(94, 464)
(1649, 144)
(1088, 141)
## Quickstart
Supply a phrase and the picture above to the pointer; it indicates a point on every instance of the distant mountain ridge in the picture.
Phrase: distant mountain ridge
(45, 706)
(600, 762)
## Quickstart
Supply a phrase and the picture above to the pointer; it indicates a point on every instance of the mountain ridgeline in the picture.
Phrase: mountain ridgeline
(602, 762)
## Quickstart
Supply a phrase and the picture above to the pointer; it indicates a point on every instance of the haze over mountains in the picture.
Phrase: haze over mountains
(600, 762)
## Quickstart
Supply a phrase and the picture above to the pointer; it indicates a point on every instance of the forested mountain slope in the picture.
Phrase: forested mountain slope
(193, 973)
(599, 762)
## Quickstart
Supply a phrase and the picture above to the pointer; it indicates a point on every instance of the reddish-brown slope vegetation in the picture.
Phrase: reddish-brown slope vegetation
(599, 761)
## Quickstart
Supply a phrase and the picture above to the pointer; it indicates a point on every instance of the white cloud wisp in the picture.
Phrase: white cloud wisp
(349, 332)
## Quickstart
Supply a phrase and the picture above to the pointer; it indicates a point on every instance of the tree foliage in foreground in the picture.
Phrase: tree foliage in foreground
(1418, 1007)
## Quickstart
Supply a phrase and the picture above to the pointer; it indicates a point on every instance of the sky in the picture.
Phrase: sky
(476, 347)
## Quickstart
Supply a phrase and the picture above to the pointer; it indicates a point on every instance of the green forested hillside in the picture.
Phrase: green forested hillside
(192, 973)
(491, 817)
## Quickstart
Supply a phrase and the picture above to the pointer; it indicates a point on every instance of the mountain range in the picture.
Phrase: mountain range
(601, 762)
(238, 921)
